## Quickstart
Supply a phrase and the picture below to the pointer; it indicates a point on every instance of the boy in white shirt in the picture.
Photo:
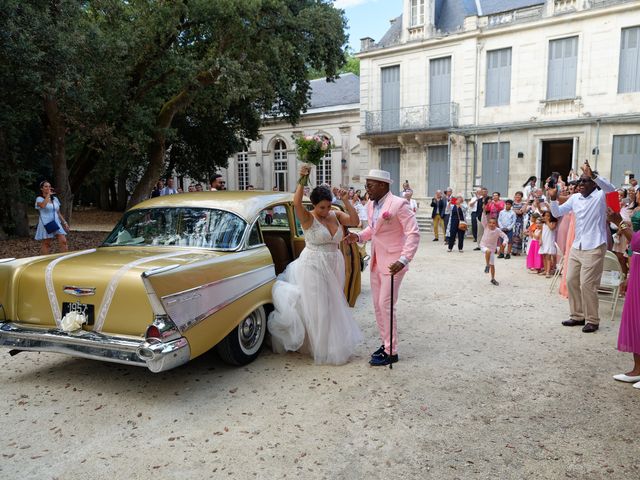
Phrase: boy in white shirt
(506, 222)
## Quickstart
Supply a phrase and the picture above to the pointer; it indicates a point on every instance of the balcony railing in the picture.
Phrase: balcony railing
(425, 117)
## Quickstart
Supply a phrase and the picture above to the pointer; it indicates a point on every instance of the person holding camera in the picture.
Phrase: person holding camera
(457, 225)
(586, 259)
(51, 221)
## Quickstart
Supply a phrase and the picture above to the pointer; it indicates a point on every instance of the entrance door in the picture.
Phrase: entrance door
(439, 92)
(437, 169)
(626, 156)
(390, 161)
(557, 156)
(390, 98)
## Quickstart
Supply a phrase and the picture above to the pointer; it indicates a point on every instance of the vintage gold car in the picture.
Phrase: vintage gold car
(178, 275)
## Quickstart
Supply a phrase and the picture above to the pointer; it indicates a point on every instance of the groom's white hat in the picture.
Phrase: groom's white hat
(379, 176)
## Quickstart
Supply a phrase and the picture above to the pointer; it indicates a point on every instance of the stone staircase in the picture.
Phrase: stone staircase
(425, 222)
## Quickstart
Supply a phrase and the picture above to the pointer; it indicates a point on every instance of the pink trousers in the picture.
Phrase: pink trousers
(381, 294)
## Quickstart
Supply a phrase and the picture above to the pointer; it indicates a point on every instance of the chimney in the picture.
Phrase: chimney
(366, 43)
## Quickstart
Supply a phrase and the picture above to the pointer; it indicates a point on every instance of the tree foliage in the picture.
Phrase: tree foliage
(98, 92)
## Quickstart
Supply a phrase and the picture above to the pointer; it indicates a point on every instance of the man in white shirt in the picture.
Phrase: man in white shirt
(586, 259)
(169, 189)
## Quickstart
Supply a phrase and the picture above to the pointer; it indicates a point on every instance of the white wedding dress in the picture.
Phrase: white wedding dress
(311, 312)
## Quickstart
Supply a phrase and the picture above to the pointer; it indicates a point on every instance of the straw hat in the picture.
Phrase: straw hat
(379, 176)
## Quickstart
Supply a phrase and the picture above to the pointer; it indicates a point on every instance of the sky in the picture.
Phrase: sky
(368, 18)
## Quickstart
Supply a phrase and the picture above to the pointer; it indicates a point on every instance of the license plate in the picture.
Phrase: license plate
(85, 308)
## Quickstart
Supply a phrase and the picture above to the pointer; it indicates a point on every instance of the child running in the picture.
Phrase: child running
(489, 245)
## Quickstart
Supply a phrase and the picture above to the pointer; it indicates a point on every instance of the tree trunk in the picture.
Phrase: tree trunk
(57, 146)
(81, 168)
(157, 148)
(113, 195)
(104, 195)
(17, 211)
(123, 194)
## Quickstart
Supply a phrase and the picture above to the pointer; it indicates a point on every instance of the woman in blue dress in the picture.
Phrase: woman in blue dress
(48, 207)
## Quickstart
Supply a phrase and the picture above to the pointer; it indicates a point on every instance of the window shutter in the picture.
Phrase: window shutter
(629, 73)
(563, 68)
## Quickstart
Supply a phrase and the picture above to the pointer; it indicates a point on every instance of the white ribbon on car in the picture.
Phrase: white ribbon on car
(48, 280)
(115, 280)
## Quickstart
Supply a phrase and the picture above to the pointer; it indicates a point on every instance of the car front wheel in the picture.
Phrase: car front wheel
(244, 342)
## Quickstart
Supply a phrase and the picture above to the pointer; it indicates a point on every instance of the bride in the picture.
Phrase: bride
(311, 312)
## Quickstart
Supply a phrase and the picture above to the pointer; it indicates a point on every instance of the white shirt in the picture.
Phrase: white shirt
(168, 191)
(377, 206)
(591, 215)
(362, 211)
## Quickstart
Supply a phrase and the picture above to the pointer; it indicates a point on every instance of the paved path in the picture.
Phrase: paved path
(489, 386)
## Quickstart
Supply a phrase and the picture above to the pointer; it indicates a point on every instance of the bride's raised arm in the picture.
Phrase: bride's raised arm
(305, 218)
(350, 218)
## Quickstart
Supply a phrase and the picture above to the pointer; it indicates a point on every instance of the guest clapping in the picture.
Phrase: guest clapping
(586, 259)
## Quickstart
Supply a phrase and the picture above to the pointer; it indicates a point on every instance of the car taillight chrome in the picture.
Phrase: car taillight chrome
(162, 329)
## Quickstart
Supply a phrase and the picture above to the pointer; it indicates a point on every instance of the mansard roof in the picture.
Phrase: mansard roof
(344, 91)
(450, 15)
(489, 7)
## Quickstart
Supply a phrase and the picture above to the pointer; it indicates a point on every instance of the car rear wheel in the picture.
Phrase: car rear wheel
(243, 344)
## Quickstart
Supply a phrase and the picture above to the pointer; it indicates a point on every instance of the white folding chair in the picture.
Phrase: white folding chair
(559, 268)
(609, 288)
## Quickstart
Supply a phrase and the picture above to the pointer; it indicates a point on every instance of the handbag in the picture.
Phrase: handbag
(462, 225)
(52, 226)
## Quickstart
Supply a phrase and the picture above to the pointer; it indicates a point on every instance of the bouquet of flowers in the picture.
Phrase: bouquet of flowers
(311, 149)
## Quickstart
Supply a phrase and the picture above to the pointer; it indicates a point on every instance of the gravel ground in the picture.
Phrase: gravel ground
(489, 386)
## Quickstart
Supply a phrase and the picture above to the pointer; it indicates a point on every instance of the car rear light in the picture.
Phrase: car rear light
(153, 332)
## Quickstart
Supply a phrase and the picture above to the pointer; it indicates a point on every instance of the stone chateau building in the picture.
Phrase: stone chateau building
(489, 92)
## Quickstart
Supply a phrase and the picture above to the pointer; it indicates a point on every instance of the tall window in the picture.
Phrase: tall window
(242, 161)
(417, 12)
(629, 74)
(323, 171)
(498, 91)
(563, 68)
(280, 165)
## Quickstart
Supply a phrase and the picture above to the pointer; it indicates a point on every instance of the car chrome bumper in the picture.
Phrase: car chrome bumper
(156, 356)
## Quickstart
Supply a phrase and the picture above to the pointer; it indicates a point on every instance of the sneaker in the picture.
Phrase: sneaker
(477, 248)
(486, 269)
(507, 256)
(495, 282)
(501, 255)
(436, 239)
(449, 250)
(460, 251)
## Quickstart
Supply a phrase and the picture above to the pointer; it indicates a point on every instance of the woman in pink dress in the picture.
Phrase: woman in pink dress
(534, 259)
(629, 333)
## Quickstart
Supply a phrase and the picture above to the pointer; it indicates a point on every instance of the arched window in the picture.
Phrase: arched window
(242, 161)
(323, 171)
(280, 166)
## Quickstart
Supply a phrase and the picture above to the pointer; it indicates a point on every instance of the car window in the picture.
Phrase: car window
(275, 218)
(254, 236)
(189, 227)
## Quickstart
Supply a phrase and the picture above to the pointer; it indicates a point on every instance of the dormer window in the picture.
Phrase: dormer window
(417, 12)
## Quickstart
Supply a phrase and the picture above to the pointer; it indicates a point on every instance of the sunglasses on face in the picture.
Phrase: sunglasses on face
(583, 180)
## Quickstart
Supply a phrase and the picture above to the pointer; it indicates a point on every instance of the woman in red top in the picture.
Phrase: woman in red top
(494, 206)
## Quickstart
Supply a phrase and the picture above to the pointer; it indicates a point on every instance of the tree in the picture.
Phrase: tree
(254, 54)
(98, 89)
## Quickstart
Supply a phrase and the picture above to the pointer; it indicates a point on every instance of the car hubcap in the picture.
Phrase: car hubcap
(251, 332)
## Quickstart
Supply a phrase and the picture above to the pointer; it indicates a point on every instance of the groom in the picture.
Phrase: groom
(393, 231)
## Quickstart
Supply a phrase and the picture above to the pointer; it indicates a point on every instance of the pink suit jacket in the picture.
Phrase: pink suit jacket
(394, 237)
